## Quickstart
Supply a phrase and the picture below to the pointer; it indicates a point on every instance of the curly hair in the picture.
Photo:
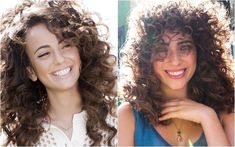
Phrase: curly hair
(213, 81)
(23, 102)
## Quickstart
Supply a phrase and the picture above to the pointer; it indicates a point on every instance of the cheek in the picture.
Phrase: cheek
(192, 63)
(40, 70)
(192, 60)
(73, 54)
(41, 67)
(77, 54)
(157, 66)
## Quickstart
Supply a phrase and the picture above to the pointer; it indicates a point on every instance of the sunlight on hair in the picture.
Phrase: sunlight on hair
(7, 4)
(103, 8)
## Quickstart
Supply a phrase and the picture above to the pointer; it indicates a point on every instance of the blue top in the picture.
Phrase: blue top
(146, 135)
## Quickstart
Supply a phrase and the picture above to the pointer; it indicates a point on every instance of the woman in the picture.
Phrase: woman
(181, 89)
(57, 77)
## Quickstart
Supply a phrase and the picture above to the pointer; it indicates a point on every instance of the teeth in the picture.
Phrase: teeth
(175, 73)
(62, 72)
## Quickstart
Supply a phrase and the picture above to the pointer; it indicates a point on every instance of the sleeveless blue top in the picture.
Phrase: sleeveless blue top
(146, 135)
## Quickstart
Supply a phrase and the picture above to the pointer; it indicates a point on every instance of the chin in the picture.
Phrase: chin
(176, 86)
(65, 88)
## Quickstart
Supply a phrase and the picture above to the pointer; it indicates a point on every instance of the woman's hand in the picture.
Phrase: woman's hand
(186, 109)
(193, 111)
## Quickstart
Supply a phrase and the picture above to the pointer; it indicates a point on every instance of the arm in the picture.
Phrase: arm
(212, 127)
(126, 125)
(228, 124)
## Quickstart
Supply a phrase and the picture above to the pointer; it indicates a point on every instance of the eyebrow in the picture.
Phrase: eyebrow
(185, 41)
(43, 46)
(59, 42)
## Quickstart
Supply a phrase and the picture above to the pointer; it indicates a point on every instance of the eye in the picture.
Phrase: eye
(160, 53)
(43, 54)
(185, 49)
(66, 46)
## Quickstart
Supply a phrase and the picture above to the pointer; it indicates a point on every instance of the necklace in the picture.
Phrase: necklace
(65, 129)
(179, 133)
(59, 125)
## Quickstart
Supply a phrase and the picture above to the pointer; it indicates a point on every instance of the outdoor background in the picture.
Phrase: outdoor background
(114, 14)
(106, 8)
(124, 9)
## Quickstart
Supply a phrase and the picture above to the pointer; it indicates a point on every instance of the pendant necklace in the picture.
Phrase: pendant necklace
(63, 128)
(179, 133)
(56, 123)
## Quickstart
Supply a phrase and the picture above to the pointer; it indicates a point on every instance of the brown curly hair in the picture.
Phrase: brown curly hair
(23, 103)
(213, 81)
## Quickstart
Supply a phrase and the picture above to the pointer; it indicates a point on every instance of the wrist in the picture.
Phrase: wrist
(208, 116)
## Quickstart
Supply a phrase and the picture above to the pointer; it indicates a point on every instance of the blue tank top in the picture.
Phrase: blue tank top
(146, 135)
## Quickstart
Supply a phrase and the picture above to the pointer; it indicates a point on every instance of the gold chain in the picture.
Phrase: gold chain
(61, 126)
(179, 132)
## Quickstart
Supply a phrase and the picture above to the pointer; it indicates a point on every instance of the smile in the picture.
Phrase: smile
(62, 72)
(176, 74)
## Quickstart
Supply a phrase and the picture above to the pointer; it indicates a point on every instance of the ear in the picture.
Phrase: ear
(32, 74)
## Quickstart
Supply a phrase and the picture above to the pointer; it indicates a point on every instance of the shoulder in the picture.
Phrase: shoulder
(126, 125)
(125, 106)
(227, 120)
(125, 115)
(125, 111)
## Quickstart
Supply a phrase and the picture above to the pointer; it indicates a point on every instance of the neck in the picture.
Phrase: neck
(64, 104)
(175, 93)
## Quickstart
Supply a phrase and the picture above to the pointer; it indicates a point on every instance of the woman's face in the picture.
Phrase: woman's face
(174, 62)
(55, 63)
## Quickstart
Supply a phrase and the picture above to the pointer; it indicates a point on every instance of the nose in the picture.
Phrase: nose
(173, 57)
(59, 57)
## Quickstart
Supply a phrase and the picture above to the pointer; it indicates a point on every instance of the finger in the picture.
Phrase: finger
(178, 102)
(172, 103)
(170, 109)
(169, 115)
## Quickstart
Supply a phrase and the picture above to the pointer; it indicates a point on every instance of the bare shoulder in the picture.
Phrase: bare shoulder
(227, 120)
(125, 107)
(126, 125)
(125, 112)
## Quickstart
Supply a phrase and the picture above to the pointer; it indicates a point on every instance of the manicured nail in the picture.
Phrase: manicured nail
(160, 118)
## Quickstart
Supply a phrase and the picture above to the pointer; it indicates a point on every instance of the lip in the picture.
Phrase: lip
(176, 74)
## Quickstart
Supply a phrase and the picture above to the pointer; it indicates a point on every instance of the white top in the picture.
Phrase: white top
(54, 136)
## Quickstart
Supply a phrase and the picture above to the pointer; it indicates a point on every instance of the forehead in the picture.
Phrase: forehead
(168, 36)
(39, 35)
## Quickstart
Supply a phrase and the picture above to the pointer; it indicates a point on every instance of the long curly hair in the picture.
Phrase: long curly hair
(23, 102)
(213, 81)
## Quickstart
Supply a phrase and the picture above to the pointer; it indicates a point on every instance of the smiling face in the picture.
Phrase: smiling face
(55, 63)
(174, 61)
